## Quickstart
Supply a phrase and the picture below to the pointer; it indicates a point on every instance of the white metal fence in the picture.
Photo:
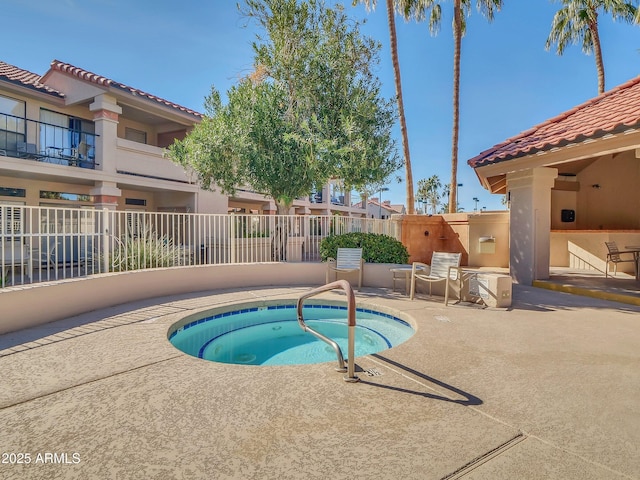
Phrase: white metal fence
(50, 243)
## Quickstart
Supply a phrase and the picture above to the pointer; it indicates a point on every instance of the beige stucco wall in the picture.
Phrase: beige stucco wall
(608, 197)
(586, 250)
(33, 188)
(66, 298)
(134, 157)
(211, 202)
(458, 232)
(486, 226)
(156, 200)
(563, 200)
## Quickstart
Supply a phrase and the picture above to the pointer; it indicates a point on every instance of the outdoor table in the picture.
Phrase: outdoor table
(402, 273)
(635, 249)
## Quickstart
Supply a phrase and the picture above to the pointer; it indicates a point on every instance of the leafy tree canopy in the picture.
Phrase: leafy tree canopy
(429, 192)
(311, 110)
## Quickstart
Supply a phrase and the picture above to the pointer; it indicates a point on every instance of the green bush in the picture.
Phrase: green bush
(376, 248)
(144, 251)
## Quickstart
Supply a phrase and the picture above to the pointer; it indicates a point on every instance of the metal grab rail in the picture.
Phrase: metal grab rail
(351, 322)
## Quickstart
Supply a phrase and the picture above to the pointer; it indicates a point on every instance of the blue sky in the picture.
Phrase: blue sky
(177, 50)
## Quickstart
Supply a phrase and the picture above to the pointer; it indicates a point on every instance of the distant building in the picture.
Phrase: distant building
(381, 210)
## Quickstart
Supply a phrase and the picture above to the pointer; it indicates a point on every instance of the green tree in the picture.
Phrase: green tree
(401, 5)
(461, 9)
(577, 22)
(429, 192)
(311, 110)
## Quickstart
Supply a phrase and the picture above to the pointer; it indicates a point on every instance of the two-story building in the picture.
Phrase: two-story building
(74, 138)
(379, 209)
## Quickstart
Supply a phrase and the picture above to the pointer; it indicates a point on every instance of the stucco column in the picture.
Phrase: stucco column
(106, 195)
(530, 219)
(105, 117)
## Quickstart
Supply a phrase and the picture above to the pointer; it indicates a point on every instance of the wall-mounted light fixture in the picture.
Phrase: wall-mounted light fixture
(595, 185)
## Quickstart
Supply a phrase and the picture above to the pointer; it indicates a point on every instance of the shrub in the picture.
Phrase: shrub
(143, 251)
(376, 248)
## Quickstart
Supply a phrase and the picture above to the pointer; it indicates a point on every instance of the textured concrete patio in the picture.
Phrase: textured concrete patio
(548, 389)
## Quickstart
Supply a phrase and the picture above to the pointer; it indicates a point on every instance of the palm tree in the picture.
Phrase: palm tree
(577, 21)
(461, 10)
(371, 4)
(457, 39)
(429, 191)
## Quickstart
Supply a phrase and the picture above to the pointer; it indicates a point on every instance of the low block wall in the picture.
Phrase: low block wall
(40, 303)
(586, 250)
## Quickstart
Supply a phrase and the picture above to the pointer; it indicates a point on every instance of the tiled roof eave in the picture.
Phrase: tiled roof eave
(33, 88)
(499, 158)
(22, 78)
(99, 80)
(149, 97)
(615, 110)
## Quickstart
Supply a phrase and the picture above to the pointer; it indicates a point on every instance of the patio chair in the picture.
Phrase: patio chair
(614, 256)
(78, 154)
(15, 256)
(445, 267)
(348, 260)
(27, 150)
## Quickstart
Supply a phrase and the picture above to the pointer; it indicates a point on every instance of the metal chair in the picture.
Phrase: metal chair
(445, 267)
(14, 256)
(614, 257)
(27, 150)
(349, 260)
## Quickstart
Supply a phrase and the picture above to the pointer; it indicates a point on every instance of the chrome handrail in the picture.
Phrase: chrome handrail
(351, 322)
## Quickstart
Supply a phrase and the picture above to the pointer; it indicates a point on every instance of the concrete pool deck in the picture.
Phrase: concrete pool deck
(548, 389)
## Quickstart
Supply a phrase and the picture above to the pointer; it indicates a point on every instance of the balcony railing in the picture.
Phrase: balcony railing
(53, 143)
(50, 243)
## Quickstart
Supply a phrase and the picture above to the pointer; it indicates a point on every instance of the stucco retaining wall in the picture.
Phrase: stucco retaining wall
(586, 250)
(36, 304)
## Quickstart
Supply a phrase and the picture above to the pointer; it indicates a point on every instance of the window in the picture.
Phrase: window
(12, 124)
(11, 220)
(62, 219)
(72, 197)
(64, 133)
(136, 222)
(336, 192)
(135, 135)
(138, 202)
(12, 192)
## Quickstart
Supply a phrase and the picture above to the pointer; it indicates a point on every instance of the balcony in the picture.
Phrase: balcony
(142, 160)
(44, 142)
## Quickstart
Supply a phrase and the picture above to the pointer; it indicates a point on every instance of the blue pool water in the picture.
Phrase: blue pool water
(271, 335)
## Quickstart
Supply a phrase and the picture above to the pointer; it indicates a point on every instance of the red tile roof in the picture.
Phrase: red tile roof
(100, 80)
(615, 110)
(13, 74)
(385, 204)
